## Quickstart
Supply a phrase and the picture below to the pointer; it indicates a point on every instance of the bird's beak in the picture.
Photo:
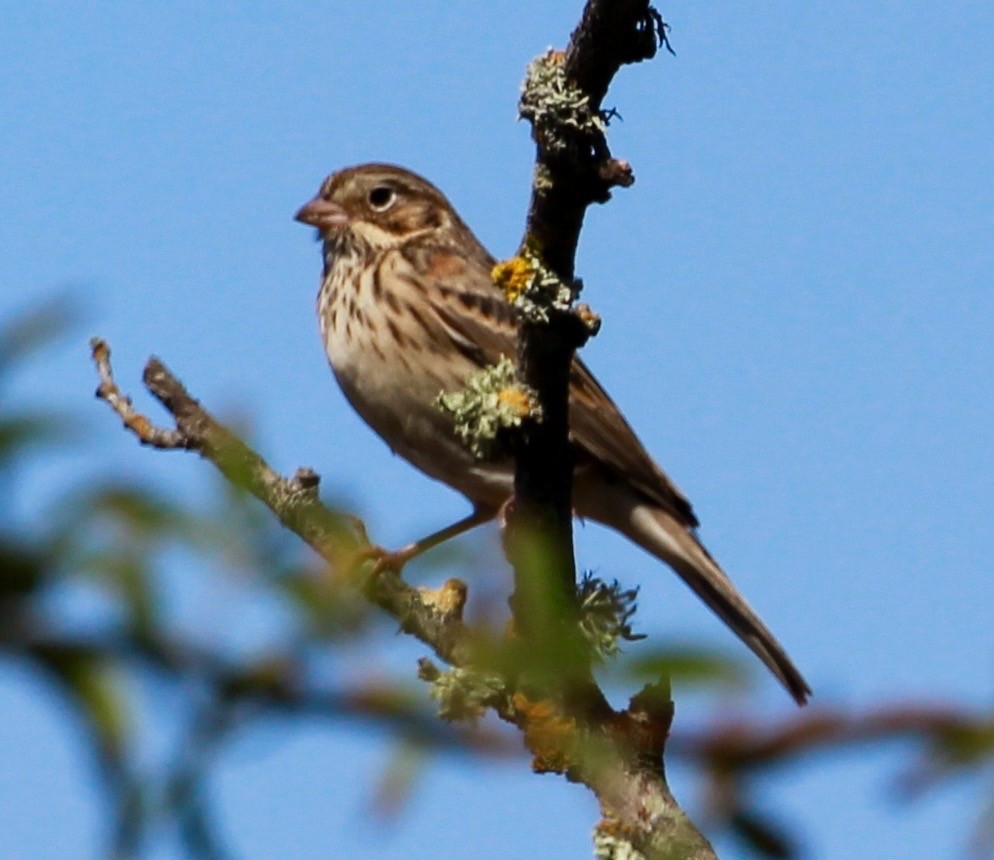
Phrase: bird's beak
(322, 214)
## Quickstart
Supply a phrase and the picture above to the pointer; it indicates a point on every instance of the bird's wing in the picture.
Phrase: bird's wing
(482, 325)
(601, 432)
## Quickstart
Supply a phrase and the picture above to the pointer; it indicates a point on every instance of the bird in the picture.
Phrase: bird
(408, 310)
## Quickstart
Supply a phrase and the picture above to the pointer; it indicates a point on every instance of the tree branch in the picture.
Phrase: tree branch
(562, 99)
(617, 755)
(294, 501)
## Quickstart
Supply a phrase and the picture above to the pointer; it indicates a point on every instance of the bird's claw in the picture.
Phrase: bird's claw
(384, 560)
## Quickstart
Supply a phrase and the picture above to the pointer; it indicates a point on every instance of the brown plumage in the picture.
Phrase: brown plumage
(408, 309)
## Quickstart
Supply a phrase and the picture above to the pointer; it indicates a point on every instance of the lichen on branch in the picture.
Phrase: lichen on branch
(532, 288)
(492, 401)
(463, 693)
(606, 611)
(559, 111)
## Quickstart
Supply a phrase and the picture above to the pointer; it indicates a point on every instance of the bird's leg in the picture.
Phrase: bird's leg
(395, 560)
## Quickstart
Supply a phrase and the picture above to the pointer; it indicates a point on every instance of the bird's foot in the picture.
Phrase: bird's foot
(381, 559)
(385, 560)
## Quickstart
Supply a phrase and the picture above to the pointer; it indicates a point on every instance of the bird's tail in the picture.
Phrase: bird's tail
(665, 537)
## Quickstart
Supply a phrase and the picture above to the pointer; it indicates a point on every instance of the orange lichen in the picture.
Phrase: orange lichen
(614, 828)
(141, 426)
(517, 400)
(550, 736)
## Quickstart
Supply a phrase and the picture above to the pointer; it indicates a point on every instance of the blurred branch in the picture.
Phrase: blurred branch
(617, 754)
(35, 328)
(270, 686)
(951, 740)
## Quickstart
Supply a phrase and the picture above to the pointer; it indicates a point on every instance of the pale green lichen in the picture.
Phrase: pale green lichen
(558, 110)
(606, 611)
(463, 695)
(542, 179)
(493, 400)
(609, 846)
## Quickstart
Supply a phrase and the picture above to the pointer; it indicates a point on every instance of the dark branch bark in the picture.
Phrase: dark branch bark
(611, 33)
(620, 755)
(573, 169)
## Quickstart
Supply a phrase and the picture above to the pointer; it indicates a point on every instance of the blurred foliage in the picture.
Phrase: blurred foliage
(88, 597)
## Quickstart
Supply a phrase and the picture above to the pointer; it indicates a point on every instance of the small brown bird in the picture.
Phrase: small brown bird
(408, 310)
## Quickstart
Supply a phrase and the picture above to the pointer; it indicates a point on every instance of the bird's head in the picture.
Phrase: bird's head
(379, 204)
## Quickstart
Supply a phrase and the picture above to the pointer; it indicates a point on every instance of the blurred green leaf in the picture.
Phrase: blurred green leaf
(143, 512)
(34, 329)
(966, 745)
(20, 433)
(97, 689)
(691, 666)
(21, 568)
(762, 836)
(397, 782)
(330, 607)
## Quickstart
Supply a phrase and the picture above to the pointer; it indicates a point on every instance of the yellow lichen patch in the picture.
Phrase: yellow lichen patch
(513, 277)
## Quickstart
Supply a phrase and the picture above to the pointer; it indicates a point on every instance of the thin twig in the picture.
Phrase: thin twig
(135, 421)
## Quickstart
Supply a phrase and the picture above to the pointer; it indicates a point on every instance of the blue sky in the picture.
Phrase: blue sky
(797, 303)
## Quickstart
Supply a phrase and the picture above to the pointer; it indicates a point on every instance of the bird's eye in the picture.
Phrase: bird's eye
(382, 197)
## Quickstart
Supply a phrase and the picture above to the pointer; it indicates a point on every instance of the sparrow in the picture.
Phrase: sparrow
(408, 310)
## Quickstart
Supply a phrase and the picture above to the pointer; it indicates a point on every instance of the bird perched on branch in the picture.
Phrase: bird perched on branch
(408, 310)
